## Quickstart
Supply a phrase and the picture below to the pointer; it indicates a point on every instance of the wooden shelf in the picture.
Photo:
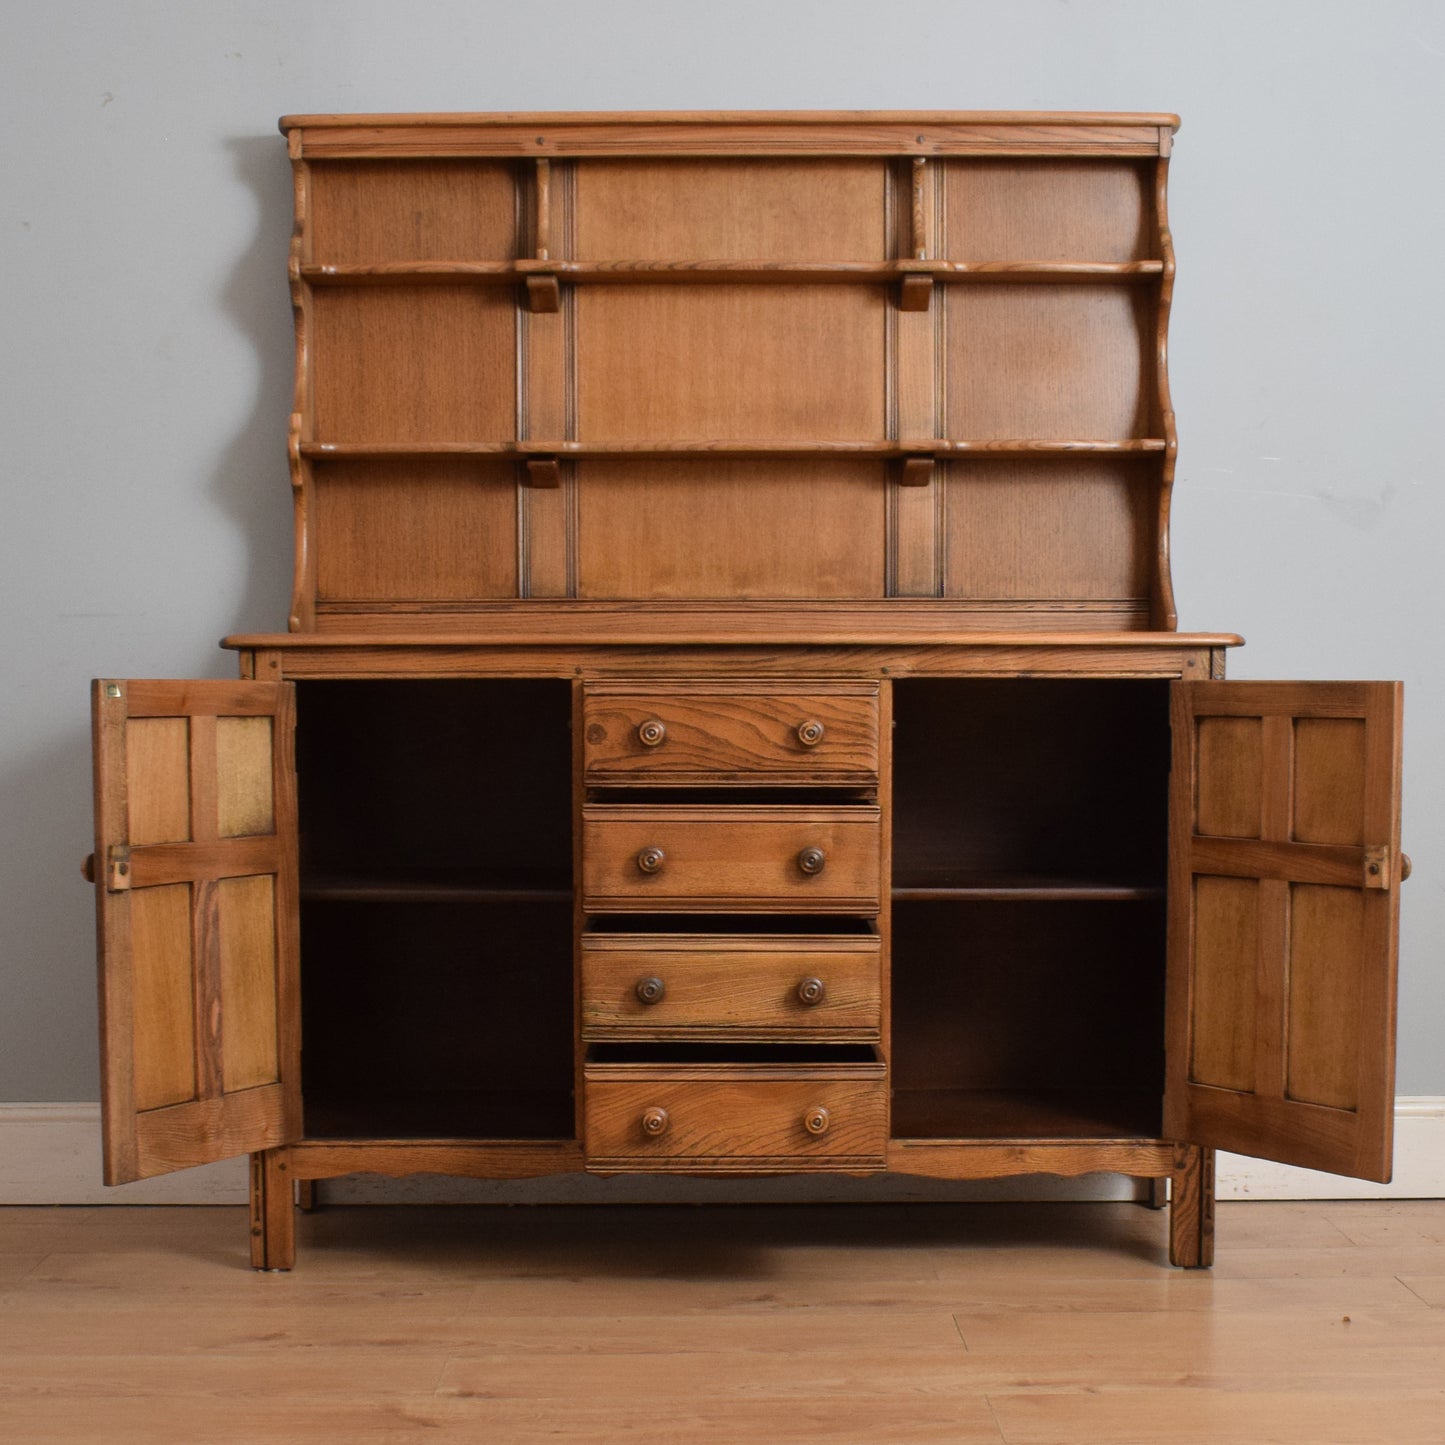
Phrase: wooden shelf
(938, 450)
(949, 885)
(652, 273)
(1032, 1114)
(450, 887)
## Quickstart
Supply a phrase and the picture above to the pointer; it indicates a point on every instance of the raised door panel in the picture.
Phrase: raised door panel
(1284, 877)
(197, 918)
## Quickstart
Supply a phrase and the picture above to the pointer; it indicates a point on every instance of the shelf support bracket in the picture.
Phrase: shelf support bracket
(916, 472)
(916, 293)
(544, 472)
(544, 293)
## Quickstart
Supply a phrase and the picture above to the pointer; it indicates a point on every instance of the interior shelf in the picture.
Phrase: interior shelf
(1026, 1114)
(437, 886)
(493, 273)
(926, 885)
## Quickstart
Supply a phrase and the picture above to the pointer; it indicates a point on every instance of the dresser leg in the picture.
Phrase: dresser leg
(1155, 1192)
(273, 1212)
(1191, 1207)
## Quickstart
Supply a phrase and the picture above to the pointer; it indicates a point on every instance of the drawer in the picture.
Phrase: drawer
(741, 986)
(736, 1117)
(693, 732)
(749, 858)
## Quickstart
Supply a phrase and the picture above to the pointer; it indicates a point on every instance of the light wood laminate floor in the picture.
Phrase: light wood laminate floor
(1320, 1323)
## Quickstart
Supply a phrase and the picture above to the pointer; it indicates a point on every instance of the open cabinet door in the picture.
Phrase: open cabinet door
(1284, 871)
(195, 874)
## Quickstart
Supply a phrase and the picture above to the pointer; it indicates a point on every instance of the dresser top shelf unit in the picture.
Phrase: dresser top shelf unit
(659, 359)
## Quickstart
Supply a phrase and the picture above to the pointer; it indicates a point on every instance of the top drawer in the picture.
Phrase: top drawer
(681, 732)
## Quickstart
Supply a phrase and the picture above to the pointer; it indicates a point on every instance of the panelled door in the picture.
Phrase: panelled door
(1284, 870)
(195, 873)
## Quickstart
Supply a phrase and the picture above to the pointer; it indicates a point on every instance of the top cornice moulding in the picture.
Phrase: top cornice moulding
(740, 117)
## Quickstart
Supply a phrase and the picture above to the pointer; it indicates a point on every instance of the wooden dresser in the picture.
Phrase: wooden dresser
(733, 719)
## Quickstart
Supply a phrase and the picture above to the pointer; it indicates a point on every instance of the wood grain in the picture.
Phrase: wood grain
(1042, 1323)
(715, 210)
(709, 362)
(438, 530)
(698, 529)
(160, 932)
(442, 210)
(734, 1121)
(730, 986)
(1319, 1091)
(158, 780)
(1045, 210)
(730, 858)
(180, 947)
(1031, 529)
(247, 946)
(245, 796)
(1063, 361)
(413, 364)
(741, 733)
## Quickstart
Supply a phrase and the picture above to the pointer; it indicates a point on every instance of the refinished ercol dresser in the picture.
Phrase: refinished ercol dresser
(733, 719)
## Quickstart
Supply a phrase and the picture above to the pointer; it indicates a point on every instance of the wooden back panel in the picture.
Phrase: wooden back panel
(710, 358)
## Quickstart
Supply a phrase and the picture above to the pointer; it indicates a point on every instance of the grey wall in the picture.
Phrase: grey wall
(144, 217)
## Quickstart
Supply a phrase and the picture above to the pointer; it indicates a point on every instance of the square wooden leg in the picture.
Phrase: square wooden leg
(273, 1212)
(1191, 1207)
(1154, 1192)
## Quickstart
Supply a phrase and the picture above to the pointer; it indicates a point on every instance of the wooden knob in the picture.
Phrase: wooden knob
(651, 990)
(652, 732)
(811, 733)
(816, 1120)
(654, 1122)
(87, 867)
(811, 860)
(811, 991)
(1406, 867)
(650, 860)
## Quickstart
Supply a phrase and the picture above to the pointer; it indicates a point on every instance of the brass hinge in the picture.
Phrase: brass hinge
(117, 868)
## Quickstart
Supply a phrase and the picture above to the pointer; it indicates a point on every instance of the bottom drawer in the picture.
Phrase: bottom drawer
(745, 1112)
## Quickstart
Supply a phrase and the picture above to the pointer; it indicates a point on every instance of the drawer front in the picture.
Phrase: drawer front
(638, 986)
(735, 1125)
(679, 733)
(721, 859)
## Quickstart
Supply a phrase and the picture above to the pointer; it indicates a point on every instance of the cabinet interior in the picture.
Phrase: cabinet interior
(1028, 930)
(436, 908)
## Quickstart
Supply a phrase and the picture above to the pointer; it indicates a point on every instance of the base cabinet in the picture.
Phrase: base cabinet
(1028, 933)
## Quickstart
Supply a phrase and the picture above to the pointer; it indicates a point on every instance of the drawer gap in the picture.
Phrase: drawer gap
(653, 794)
(734, 925)
(687, 1054)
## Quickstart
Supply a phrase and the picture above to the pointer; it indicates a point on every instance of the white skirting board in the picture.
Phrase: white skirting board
(50, 1154)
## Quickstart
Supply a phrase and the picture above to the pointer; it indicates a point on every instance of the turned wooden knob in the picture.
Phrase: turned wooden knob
(811, 733)
(651, 990)
(811, 991)
(87, 867)
(654, 1122)
(652, 732)
(650, 860)
(811, 860)
(816, 1120)
(1406, 867)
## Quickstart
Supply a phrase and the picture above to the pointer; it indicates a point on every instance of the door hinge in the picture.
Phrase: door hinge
(117, 868)
(1379, 872)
